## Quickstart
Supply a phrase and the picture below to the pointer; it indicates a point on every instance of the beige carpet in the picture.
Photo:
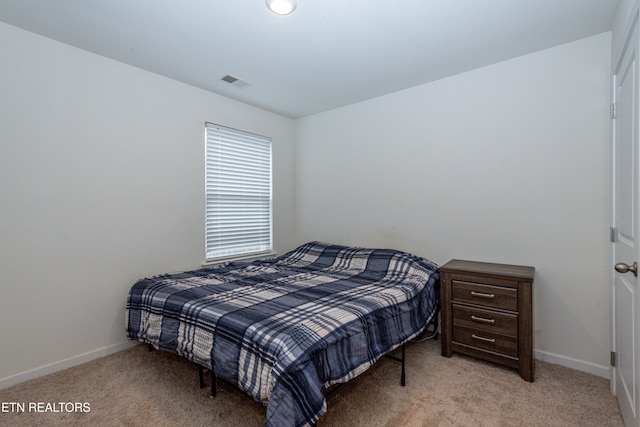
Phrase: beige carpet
(141, 388)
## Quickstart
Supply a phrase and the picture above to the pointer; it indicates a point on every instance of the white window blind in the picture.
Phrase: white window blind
(238, 193)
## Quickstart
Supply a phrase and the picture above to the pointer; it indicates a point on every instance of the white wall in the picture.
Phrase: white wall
(507, 163)
(101, 183)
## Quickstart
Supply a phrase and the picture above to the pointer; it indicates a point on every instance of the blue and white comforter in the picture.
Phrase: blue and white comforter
(285, 328)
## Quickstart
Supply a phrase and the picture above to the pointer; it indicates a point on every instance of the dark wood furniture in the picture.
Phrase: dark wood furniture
(487, 313)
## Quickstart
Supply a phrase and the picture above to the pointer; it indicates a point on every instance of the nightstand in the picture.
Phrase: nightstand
(487, 313)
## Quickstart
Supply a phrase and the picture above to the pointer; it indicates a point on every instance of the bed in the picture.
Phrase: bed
(285, 329)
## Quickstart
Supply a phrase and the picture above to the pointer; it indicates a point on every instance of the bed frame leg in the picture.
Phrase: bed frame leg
(402, 359)
(214, 385)
(201, 376)
(435, 325)
(214, 380)
(403, 375)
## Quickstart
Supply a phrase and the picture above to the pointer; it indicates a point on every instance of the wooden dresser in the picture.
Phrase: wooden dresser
(487, 312)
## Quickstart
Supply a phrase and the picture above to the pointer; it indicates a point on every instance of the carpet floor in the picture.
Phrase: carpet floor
(141, 388)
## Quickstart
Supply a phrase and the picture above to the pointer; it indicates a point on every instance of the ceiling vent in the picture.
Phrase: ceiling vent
(234, 81)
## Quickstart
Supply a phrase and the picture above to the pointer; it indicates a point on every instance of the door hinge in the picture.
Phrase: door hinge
(613, 234)
(613, 359)
(612, 111)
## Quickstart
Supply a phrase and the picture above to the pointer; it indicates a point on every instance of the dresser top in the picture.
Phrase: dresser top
(488, 268)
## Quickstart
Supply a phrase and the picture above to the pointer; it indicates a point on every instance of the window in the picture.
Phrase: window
(238, 193)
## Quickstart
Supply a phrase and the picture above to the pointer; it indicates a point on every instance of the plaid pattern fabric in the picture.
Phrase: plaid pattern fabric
(284, 328)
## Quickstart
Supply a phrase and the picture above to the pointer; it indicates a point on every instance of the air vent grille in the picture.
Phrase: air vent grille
(235, 81)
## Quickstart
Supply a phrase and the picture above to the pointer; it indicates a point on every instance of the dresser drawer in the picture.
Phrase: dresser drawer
(486, 320)
(485, 295)
(486, 340)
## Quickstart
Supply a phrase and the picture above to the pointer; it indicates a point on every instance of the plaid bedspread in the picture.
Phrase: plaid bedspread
(284, 328)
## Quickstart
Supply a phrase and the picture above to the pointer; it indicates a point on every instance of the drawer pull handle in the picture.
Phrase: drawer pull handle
(478, 337)
(483, 320)
(482, 294)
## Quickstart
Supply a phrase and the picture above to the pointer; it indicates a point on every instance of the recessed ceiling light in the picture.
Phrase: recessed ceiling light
(281, 7)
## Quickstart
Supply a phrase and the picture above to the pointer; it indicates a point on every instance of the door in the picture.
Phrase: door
(626, 245)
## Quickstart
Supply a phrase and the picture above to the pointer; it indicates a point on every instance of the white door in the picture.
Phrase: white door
(626, 246)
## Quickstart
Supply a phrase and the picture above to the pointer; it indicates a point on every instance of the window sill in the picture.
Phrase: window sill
(251, 257)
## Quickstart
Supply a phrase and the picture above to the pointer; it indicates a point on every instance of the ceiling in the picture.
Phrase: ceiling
(327, 54)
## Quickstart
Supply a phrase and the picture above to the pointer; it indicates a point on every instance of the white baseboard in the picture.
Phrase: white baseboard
(579, 365)
(64, 364)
